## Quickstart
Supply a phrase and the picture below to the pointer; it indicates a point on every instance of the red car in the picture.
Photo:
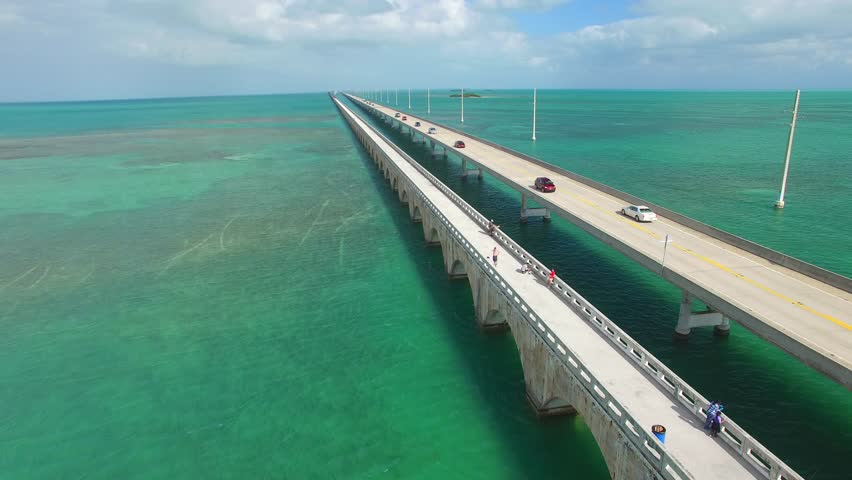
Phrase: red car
(544, 184)
(404, 118)
(459, 144)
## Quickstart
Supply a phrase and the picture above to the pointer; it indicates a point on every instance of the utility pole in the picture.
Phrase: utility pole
(780, 202)
(462, 99)
(409, 99)
(428, 101)
(396, 96)
(534, 97)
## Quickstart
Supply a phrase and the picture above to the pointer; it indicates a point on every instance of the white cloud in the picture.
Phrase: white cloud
(643, 33)
(443, 42)
(191, 50)
(538, 61)
(9, 15)
(279, 21)
(725, 35)
(520, 4)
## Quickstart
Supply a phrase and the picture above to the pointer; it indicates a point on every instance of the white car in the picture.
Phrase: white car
(640, 213)
(432, 130)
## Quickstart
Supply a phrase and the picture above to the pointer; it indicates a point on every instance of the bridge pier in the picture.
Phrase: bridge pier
(550, 388)
(687, 320)
(489, 304)
(414, 212)
(430, 232)
(526, 213)
(435, 147)
(466, 172)
(454, 256)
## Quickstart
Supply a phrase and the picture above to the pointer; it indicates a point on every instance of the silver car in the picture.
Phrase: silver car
(432, 130)
(640, 213)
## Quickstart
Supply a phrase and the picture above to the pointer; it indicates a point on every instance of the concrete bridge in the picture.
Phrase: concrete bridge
(803, 309)
(574, 359)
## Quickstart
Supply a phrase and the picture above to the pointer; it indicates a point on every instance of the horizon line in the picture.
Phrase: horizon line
(319, 92)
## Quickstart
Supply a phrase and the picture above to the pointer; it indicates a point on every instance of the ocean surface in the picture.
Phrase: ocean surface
(226, 288)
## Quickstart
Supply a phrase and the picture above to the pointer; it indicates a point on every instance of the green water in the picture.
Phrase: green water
(223, 287)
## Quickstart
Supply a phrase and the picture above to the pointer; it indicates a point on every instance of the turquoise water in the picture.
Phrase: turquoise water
(223, 287)
(231, 293)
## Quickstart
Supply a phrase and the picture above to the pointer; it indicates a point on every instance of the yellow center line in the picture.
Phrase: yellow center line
(765, 288)
(525, 172)
(617, 215)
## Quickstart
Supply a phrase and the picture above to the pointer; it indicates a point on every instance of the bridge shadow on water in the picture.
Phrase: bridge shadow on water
(557, 447)
(766, 391)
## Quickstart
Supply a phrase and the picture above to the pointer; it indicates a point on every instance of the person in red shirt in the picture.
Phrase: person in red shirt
(552, 277)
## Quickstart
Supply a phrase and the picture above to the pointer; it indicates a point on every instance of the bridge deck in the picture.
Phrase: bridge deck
(702, 455)
(781, 305)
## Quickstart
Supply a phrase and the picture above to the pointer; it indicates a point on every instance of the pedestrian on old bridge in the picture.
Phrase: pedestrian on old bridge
(711, 414)
(494, 256)
(716, 425)
(492, 227)
(552, 277)
(714, 408)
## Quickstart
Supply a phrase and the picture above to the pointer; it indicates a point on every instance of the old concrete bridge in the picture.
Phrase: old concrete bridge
(574, 359)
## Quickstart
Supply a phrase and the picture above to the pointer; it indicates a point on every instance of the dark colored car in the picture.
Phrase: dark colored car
(416, 124)
(459, 144)
(544, 184)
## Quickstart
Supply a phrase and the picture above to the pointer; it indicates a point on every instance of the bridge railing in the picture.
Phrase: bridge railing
(773, 256)
(646, 443)
(732, 434)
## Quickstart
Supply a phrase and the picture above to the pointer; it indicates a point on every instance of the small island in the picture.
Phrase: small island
(466, 95)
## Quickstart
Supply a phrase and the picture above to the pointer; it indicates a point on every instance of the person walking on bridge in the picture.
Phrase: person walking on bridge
(552, 277)
(716, 426)
(494, 256)
(712, 409)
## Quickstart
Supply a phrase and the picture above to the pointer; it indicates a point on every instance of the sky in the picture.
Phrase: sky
(105, 49)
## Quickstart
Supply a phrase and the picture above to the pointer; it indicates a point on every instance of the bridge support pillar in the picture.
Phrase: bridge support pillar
(526, 213)
(435, 149)
(687, 320)
(490, 305)
(551, 389)
(466, 172)
(723, 329)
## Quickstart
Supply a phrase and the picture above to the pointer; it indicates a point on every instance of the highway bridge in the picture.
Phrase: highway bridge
(803, 309)
(574, 359)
